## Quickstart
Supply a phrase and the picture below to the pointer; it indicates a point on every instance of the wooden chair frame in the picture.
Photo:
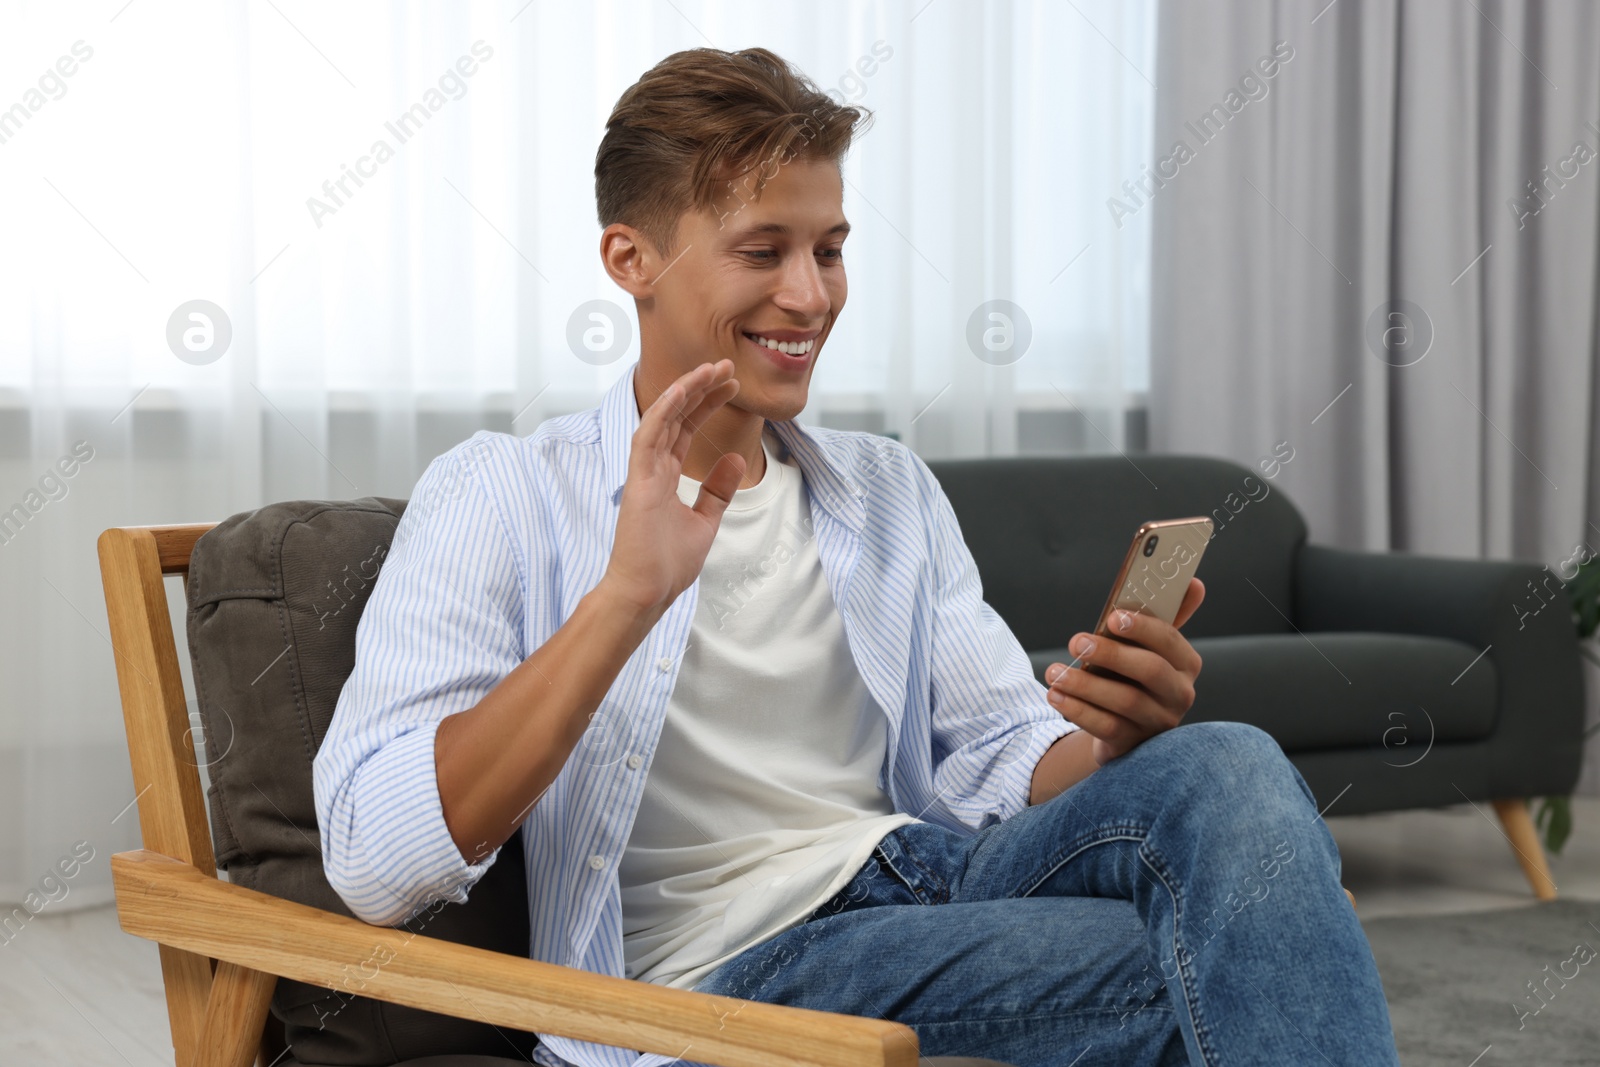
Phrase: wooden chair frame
(223, 947)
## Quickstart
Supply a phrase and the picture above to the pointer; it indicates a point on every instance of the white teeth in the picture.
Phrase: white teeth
(788, 348)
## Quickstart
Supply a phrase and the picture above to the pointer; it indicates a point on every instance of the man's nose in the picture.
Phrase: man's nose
(802, 289)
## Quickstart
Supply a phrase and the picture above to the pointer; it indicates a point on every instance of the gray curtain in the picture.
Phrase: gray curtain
(1380, 246)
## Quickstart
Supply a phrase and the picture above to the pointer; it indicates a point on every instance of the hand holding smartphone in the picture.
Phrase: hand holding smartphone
(1155, 573)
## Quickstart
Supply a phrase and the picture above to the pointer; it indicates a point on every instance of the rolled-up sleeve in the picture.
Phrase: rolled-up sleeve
(442, 627)
(990, 720)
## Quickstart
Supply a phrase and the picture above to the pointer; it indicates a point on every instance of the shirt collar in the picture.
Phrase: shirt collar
(825, 475)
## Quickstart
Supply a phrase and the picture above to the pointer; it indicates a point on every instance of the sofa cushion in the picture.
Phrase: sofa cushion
(1349, 690)
(274, 596)
(1048, 535)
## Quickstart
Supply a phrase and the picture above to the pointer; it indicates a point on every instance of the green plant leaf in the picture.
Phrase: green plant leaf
(1584, 592)
(1554, 819)
(1554, 816)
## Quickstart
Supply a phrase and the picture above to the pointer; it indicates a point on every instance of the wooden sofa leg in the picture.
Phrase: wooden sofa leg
(236, 1012)
(1518, 825)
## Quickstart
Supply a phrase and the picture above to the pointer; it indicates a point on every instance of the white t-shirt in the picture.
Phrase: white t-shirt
(762, 799)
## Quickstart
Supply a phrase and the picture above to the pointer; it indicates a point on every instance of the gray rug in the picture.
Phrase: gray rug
(1459, 984)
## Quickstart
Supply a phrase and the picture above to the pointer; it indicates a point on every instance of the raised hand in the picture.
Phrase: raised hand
(661, 544)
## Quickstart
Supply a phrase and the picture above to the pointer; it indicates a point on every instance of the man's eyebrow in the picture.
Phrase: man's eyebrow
(782, 230)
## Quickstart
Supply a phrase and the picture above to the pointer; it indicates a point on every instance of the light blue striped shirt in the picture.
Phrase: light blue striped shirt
(501, 539)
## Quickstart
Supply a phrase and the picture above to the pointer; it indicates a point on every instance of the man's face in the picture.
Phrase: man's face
(770, 267)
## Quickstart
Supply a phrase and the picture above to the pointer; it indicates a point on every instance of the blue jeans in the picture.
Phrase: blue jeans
(1181, 905)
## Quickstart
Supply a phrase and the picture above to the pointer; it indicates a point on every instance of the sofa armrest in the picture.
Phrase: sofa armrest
(1537, 736)
(170, 902)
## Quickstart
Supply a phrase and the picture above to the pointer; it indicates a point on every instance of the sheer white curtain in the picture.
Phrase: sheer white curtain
(152, 155)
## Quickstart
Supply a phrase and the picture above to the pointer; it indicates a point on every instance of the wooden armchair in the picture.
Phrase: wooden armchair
(224, 947)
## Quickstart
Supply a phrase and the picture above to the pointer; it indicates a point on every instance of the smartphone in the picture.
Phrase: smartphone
(1155, 574)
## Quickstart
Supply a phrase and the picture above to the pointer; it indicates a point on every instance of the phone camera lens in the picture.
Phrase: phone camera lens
(1150, 545)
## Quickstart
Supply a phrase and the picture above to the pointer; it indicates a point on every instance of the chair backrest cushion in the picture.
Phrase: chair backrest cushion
(274, 596)
(1048, 534)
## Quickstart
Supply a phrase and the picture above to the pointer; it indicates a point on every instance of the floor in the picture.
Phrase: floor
(75, 990)
(1456, 859)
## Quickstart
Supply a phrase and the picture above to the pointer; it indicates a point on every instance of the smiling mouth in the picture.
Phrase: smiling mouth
(787, 348)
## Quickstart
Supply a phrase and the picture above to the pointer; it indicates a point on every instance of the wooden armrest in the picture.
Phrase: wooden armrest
(170, 902)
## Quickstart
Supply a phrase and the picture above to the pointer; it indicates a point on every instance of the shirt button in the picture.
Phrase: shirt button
(635, 762)
(665, 663)
(597, 862)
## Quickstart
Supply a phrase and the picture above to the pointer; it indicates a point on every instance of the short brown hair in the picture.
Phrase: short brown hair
(698, 119)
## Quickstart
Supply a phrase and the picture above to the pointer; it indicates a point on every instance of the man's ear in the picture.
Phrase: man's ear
(630, 259)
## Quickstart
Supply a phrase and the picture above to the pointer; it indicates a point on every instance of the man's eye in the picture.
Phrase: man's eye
(834, 255)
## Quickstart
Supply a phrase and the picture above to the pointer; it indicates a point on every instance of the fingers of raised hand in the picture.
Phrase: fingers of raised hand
(677, 399)
(692, 422)
(660, 422)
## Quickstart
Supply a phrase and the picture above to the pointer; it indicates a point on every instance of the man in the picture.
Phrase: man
(734, 680)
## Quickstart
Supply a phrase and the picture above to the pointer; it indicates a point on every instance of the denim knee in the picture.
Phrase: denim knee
(1235, 762)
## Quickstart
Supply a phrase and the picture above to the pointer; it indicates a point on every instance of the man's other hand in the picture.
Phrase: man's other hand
(1156, 669)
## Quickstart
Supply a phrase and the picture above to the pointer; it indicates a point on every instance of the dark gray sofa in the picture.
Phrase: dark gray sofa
(1369, 669)
(1321, 648)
